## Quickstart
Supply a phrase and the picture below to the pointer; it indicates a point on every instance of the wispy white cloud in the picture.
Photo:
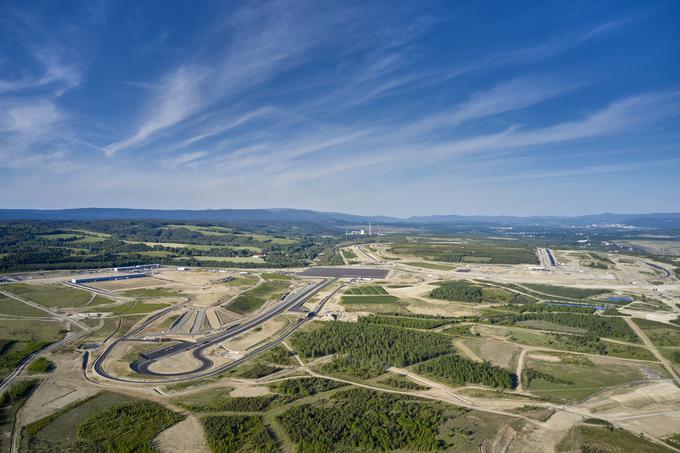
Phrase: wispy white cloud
(386, 151)
(529, 54)
(55, 73)
(516, 94)
(176, 98)
(214, 125)
(183, 159)
(266, 40)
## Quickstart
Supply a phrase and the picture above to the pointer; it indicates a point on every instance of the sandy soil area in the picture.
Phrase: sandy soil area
(123, 285)
(544, 357)
(51, 396)
(249, 390)
(187, 435)
(176, 364)
(213, 319)
(244, 341)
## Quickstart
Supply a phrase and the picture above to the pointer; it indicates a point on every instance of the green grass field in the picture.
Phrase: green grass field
(660, 334)
(276, 276)
(197, 247)
(582, 377)
(54, 295)
(30, 330)
(366, 291)
(100, 300)
(256, 297)
(349, 254)
(565, 291)
(465, 251)
(135, 308)
(12, 307)
(554, 341)
(545, 325)
(242, 281)
(150, 293)
(369, 300)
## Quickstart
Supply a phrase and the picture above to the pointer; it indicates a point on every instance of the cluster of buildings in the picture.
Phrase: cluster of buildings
(364, 232)
(128, 272)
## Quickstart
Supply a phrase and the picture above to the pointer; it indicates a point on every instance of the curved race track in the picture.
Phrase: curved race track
(294, 299)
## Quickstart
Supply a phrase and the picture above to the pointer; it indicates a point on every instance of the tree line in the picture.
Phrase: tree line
(594, 325)
(366, 349)
(456, 370)
(459, 291)
(364, 420)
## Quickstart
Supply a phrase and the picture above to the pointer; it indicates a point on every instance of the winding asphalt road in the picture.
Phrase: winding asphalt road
(292, 300)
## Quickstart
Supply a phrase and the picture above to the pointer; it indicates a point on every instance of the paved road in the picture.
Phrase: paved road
(292, 300)
(198, 322)
(179, 322)
(656, 267)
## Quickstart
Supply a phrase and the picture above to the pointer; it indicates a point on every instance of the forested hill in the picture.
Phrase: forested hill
(652, 220)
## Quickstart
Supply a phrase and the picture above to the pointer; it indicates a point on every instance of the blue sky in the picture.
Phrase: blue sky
(394, 108)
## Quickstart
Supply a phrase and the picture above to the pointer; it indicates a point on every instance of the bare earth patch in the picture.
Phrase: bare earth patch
(179, 363)
(134, 283)
(249, 390)
(186, 435)
(544, 357)
(249, 339)
(52, 396)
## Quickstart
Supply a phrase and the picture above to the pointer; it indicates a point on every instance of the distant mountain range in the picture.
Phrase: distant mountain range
(651, 220)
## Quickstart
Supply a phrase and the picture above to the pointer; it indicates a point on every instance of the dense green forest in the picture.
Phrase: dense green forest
(458, 291)
(546, 308)
(402, 383)
(40, 245)
(366, 349)
(364, 420)
(598, 326)
(237, 404)
(305, 386)
(407, 322)
(456, 370)
(126, 428)
(238, 434)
